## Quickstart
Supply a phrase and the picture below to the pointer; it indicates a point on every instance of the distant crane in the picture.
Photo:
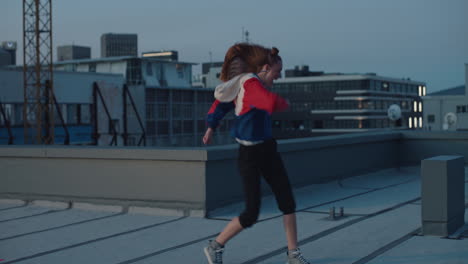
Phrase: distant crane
(38, 112)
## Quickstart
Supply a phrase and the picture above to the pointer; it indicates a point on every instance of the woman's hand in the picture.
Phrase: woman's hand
(208, 136)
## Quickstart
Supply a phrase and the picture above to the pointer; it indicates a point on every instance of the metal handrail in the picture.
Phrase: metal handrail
(96, 93)
(126, 92)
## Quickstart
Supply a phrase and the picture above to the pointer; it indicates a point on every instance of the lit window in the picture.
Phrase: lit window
(410, 123)
(415, 106)
(420, 106)
(424, 90)
(420, 122)
(415, 122)
(420, 90)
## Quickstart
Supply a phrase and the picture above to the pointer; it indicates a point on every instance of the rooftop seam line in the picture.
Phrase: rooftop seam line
(387, 247)
(325, 203)
(62, 226)
(9, 208)
(327, 213)
(34, 215)
(167, 249)
(327, 232)
(91, 241)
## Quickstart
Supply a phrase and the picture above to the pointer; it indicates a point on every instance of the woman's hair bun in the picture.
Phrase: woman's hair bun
(274, 51)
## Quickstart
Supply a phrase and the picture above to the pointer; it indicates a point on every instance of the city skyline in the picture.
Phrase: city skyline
(422, 40)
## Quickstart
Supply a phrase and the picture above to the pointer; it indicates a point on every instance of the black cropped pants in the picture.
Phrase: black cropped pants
(263, 160)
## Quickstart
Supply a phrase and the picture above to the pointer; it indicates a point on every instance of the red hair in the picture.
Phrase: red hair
(245, 57)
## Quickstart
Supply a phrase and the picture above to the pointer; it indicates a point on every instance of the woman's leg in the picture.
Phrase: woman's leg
(290, 227)
(275, 174)
(250, 174)
(232, 229)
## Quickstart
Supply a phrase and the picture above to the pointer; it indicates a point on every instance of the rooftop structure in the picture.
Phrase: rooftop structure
(8, 47)
(170, 55)
(73, 52)
(114, 45)
(143, 213)
(173, 110)
(74, 99)
(447, 109)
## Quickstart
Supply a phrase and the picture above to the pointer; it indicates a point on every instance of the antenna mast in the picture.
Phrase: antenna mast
(38, 113)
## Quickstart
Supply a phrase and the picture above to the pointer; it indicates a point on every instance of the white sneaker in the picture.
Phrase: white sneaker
(214, 252)
(295, 257)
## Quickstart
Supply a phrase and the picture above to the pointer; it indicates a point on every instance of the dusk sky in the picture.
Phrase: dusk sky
(425, 40)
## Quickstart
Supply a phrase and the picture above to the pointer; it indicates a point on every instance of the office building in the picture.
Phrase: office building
(76, 122)
(172, 110)
(73, 52)
(447, 110)
(114, 45)
(324, 104)
(209, 78)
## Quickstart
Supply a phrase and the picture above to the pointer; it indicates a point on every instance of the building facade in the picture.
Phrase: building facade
(324, 104)
(8, 53)
(209, 78)
(114, 45)
(81, 117)
(73, 52)
(447, 109)
(172, 110)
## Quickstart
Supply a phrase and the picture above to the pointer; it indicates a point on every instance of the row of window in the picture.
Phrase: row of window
(178, 127)
(462, 108)
(160, 111)
(182, 96)
(73, 114)
(333, 86)
(353, 104)
(286, 125)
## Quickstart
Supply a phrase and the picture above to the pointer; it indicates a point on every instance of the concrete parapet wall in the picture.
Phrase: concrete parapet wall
(419, 145)
(200, 178)
(163, 178)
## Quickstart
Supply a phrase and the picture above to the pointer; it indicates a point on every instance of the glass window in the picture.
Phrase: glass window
(151, 127)
(150, 113)
(72, 114)
(92, 67)
(431, 118)
(177, 126)
(149, 69)
(188, 126)
(385, 86)
(114, 124)
(162, 111)
(176, 111)
(85, 114)
(162, 127)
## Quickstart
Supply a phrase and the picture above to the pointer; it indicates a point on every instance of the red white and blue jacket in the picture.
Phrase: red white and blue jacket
(253, 105)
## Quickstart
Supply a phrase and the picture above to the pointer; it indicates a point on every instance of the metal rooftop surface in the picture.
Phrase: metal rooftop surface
(458, 90)
(381, 224)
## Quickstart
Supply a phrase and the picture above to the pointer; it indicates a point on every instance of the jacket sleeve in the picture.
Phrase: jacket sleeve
(217, 111)
(259, 97)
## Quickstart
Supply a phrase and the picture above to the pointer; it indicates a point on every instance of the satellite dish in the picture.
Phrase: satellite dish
(450, 119)
(394, 112)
